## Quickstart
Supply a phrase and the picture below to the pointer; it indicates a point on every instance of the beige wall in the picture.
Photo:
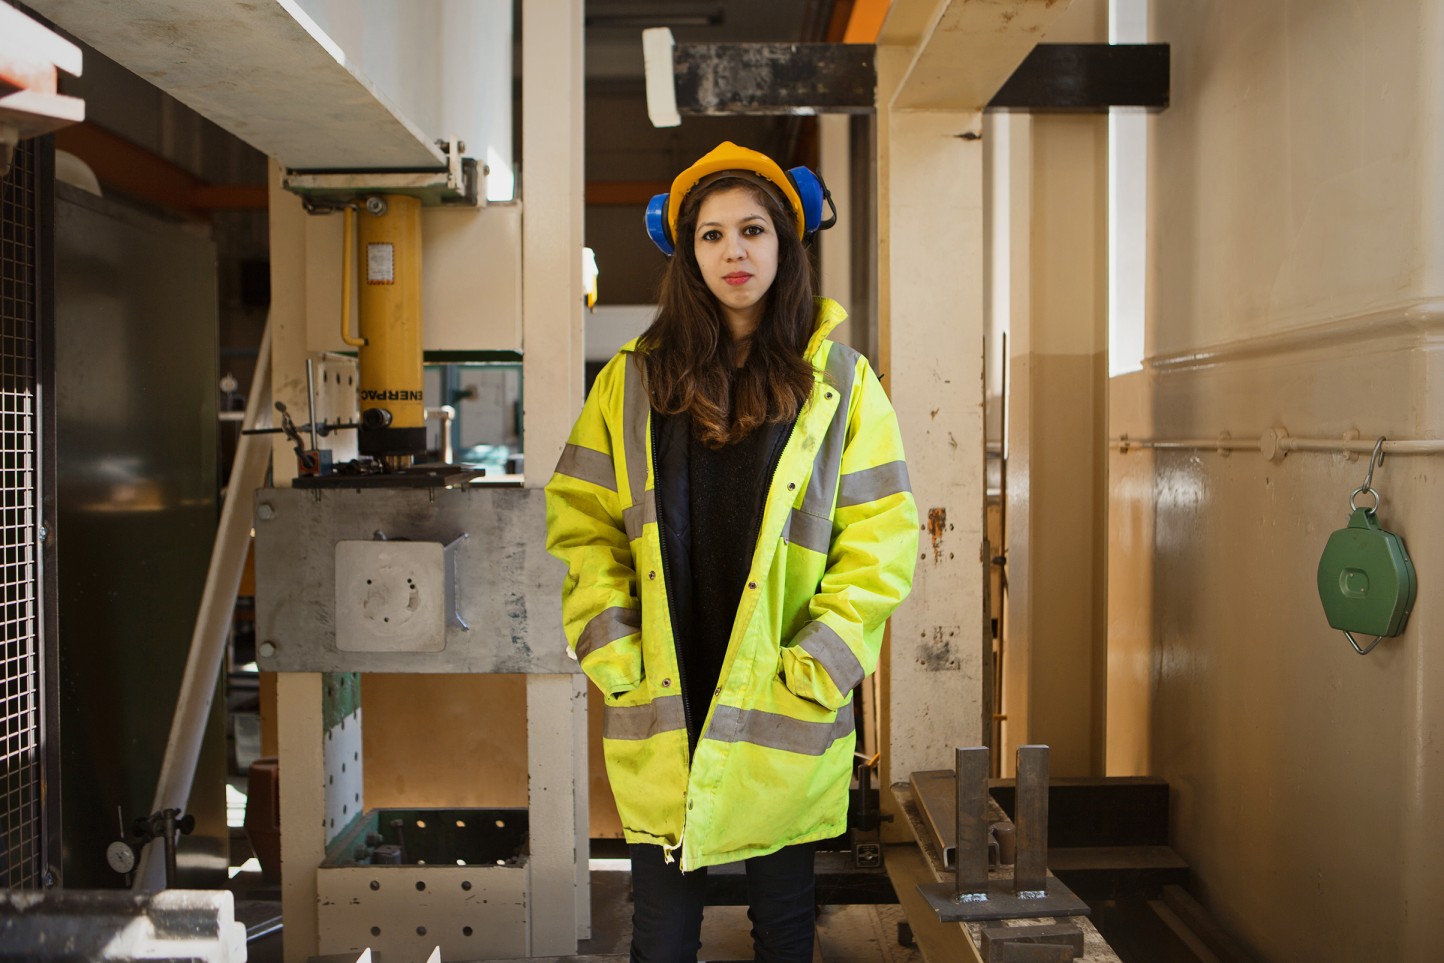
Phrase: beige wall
(1048, 206)
(1295, 280)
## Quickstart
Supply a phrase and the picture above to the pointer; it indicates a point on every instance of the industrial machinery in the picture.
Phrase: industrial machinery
(384, 563)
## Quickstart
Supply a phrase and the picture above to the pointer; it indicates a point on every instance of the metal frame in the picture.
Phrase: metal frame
(28, 177)
(46, 465)
(975, 894)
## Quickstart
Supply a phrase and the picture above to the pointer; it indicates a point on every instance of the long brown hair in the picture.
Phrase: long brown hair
(692, 360)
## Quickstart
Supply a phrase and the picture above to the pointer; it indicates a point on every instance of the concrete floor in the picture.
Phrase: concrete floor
(845, 934)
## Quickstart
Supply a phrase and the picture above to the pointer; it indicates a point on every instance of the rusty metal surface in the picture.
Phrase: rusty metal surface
(170, 926)
(935, 794)
(1031, 953)
(971, 828)
(1031, 820)
(1096, 948)
(1003, 903)
(1031, 892)
(774, 78)
(995, 937)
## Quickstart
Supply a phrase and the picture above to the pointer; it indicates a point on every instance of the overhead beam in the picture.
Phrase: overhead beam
(765, 78)
(1088, 77)
(774, 78)
(968, 49)
(130, 169)
(263, 71)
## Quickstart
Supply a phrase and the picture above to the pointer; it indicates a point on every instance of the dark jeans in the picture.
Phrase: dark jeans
(667, 906)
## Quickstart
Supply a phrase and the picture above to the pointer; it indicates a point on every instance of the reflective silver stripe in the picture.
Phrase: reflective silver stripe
(635, 411)
(870, 484)
(817, 500)
(730, 724)
(809, 531)
(819, 640)
(613, 624)
(635, 516)
(663, 714)
(589, 465)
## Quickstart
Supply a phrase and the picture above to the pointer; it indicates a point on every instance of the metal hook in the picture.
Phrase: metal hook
(1364, 650)
(1376, 459)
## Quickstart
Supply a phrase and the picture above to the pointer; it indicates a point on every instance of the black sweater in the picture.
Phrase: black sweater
(710, 507)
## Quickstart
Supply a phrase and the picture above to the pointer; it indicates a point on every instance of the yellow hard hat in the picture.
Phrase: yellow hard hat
(726, 156)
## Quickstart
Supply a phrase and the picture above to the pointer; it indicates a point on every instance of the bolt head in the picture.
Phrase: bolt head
(265, 511)
(267, 649)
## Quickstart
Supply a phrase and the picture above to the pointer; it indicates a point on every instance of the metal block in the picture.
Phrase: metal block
(1031, 953)
(1002, 903)
(507, 587)
(184, 926)
(1055, 933)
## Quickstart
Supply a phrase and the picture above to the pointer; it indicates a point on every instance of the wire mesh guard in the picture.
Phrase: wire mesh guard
(21, 800)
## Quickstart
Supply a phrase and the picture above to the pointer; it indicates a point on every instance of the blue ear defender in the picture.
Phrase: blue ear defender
(657, 224)
(811, 191)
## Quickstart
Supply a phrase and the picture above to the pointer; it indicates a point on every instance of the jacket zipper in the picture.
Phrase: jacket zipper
(667, 583)
(667, 851)
(767, 489)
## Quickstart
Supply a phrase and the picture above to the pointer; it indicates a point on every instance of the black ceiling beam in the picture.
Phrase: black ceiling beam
(721, 79)
(1087, 78)
(718, 79)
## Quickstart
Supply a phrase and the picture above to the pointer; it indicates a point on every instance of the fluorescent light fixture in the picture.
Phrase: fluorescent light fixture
(657, 44)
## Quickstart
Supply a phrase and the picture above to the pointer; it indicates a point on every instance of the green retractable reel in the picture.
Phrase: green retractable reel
(1366, 580)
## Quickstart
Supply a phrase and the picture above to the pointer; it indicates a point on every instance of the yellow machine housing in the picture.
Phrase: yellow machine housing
(393, 414)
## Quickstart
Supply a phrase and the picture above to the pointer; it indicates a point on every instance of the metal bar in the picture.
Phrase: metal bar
(774, 78)
(447, 414)
(1030, 872)
(311, 399)
(971, 860)
(47, 578)
(208, 640)
(723, 79)
(1361, 446)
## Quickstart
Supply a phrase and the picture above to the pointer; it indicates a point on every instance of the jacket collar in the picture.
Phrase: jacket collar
(829, 315)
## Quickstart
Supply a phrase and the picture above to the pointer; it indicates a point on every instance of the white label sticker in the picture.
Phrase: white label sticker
(380, 264)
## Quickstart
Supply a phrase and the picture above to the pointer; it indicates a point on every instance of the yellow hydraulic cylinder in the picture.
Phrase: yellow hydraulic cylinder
(393, 414)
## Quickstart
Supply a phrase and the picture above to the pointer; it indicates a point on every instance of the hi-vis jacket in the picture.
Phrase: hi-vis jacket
(834, 557)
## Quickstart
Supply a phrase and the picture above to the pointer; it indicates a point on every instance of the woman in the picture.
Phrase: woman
(734, 512)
